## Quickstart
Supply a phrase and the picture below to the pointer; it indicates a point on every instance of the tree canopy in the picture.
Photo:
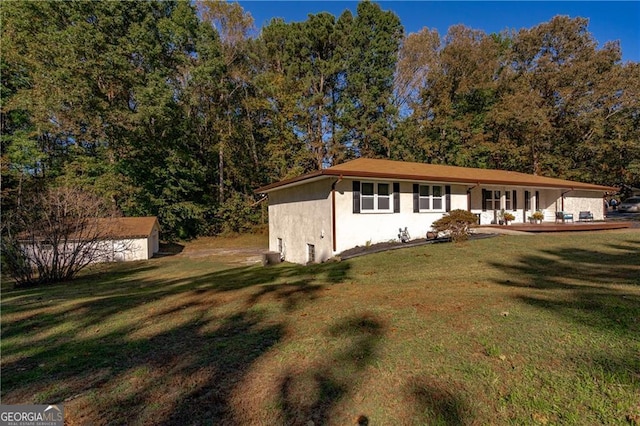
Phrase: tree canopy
(181, 110)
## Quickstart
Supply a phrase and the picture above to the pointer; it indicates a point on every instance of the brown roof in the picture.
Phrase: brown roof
(101, 228)
(388, 169)
(126, 227)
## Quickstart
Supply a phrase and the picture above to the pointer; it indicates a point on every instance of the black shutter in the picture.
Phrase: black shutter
(527, 200)
(396, 197)
(356, 196)
(416, 199)
(484, 200)
(447, 199)
(537, 200)
(515, 200)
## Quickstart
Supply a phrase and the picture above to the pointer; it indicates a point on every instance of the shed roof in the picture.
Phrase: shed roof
(127, 227)
(388, 169)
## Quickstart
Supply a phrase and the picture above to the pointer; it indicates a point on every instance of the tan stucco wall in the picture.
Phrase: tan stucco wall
(578, 201)
(301, 215)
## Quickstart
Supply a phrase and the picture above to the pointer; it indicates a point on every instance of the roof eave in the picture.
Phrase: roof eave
(412, 177)
(288, 182)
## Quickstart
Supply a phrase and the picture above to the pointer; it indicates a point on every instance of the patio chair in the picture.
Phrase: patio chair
(564, 216)
(585, 216)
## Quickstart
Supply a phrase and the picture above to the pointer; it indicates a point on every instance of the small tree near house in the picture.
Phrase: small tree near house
(53, 235)
(457, 224)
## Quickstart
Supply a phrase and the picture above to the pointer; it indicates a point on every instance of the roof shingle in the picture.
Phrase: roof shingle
(389, 169)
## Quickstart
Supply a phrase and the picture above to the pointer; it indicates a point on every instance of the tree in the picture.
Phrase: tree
(233, 26)
(368, 113)
(545, 100)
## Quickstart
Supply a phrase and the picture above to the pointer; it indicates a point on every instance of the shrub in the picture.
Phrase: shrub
(457, 224)
(53, 235)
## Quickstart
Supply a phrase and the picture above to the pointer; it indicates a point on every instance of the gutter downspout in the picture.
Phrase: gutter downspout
(333, 212)
(469, 195)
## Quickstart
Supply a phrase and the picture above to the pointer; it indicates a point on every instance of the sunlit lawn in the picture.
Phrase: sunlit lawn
(509, 330)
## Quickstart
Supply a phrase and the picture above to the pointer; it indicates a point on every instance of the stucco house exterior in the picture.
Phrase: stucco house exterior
(315, 216)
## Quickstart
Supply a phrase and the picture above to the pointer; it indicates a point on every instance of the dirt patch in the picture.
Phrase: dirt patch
(245, 255)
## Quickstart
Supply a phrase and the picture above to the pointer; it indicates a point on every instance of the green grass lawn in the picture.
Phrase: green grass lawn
(538, 329)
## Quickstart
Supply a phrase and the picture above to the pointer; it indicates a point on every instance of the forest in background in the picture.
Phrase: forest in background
(181, 110)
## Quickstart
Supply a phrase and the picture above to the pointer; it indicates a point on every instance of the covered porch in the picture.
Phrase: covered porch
(490, 201)
(562, 227)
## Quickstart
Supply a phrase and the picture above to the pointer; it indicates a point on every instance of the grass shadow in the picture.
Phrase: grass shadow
(587, 288)
(312, 394)
(91, 335)
(436, 403)
(584, 286)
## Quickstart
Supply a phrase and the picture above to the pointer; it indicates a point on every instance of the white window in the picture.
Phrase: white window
(425, 197)
(376, 197)
(491, 200)
(430, 198)
(368, 196)
(436, 197)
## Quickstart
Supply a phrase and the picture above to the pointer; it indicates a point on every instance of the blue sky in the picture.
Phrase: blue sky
(608, 21)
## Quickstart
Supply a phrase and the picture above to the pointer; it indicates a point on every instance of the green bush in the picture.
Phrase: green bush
(456, 224)
(238, 213)
(183, 221)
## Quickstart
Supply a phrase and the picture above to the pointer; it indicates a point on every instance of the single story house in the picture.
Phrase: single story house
(315, 216)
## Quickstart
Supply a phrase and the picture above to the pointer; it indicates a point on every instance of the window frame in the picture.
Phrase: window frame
(431, 198)
(376, 197)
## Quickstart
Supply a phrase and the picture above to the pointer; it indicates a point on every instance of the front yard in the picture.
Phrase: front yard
(538, 329)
